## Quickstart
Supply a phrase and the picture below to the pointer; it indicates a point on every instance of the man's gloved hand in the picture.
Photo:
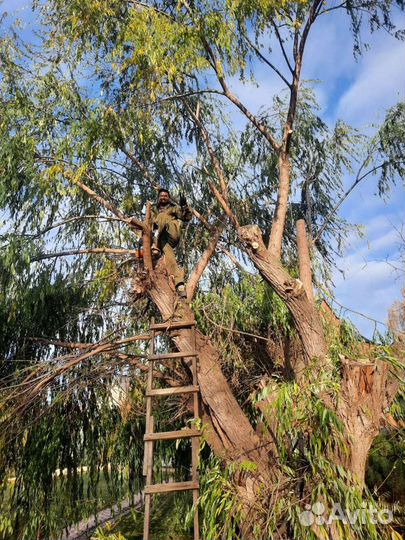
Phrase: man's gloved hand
(182, 200)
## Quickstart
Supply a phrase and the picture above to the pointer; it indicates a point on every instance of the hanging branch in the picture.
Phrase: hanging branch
(344, 197)
(92, 194)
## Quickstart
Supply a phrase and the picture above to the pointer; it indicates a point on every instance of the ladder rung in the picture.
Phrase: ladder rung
(172, 391)
(164, 356)
(171, 435)
(170, 486)
(171, 325)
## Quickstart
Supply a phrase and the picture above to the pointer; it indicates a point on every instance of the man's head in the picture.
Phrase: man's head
(163, 197)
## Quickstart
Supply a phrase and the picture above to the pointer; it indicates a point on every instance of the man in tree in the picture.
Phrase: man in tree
(167, 220)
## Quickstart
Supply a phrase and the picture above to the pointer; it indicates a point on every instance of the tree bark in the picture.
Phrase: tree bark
(367, 390)
(277, 227)
(304, 259)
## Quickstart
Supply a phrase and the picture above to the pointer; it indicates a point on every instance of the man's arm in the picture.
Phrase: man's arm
(186, 213)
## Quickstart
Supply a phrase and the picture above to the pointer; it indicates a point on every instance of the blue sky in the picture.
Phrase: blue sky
(357, 91)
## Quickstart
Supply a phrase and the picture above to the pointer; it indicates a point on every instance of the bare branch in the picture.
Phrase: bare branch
(267, 61)
(235, 261)
(344, 197)
(204, 260)
(281, 42)
(188, 94)
(87, 346)
(71, 220)
(224, 204)
(90, 251)
(314, 12)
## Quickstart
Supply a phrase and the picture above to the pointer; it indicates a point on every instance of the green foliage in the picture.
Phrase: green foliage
(385, 473)
(221, 508)
(169, 519)
(390, 147)
(105, 533)
(85, 430)
(306, 433)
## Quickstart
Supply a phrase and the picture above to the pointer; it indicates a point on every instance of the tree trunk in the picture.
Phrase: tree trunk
(367, 390)
(229, 431)
(277, 227)
(304, 259)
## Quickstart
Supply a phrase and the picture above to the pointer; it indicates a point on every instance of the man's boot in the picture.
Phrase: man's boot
(181, 290)
(156, 253)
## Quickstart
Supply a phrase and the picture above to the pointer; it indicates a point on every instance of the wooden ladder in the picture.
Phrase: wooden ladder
(151, 436)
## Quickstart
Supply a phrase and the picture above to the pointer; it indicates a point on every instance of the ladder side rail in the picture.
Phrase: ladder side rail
(195, 443)
(149, 428)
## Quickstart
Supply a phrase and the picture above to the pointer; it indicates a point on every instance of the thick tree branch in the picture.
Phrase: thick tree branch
(147, 240)
(107, 204)
(306, 318)
(304, 259)
(284, 162)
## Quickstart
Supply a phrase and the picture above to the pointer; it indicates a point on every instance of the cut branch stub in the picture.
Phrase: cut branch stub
(367, 390)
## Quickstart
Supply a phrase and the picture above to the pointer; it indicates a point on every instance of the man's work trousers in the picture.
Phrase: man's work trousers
(169, 232)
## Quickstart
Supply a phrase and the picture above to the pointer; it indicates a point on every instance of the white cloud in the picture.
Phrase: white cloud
(369, 284)
(379, 84)
(329, 50)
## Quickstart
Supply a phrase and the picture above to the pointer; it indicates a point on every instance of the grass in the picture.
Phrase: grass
(168, 519)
